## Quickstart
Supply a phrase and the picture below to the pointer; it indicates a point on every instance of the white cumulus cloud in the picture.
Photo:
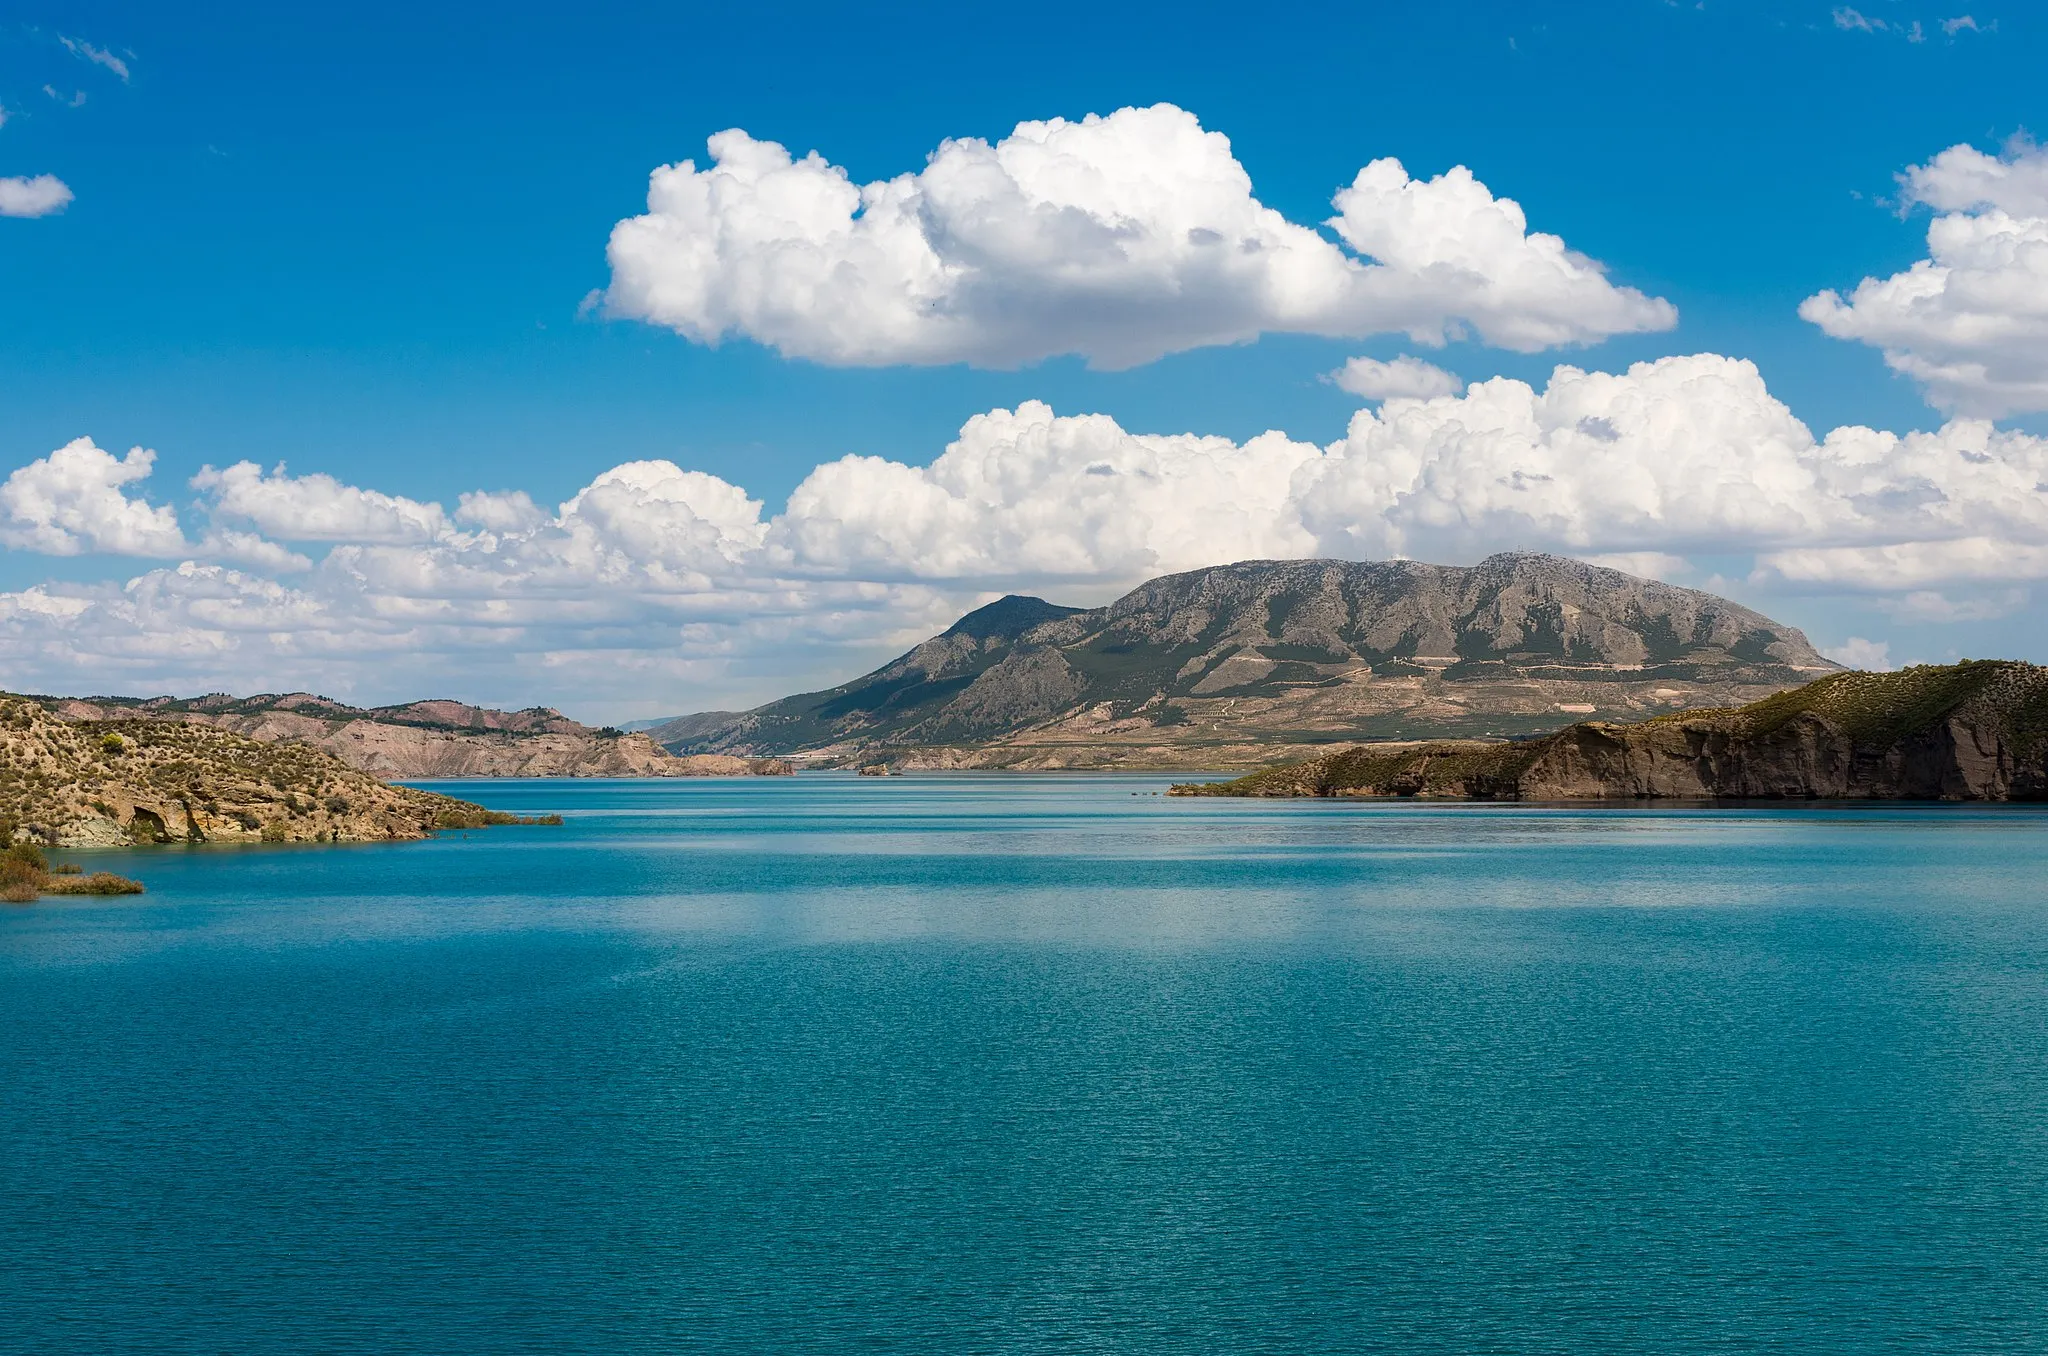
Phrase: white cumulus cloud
(39, 196)
(1970, 321)
(1119, 238)
(75, 500)
(1026, 493)
(316, 507)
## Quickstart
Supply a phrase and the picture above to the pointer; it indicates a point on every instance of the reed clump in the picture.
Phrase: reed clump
(26, 875)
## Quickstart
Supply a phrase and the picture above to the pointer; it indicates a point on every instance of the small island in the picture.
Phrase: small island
(1974, 731)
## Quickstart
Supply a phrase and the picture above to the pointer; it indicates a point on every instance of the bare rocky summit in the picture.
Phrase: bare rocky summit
(1976, 731)
(1226, 666)
(109, 782)
(424, 739)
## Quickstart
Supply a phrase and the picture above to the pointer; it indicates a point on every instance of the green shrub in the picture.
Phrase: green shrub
(26, 855)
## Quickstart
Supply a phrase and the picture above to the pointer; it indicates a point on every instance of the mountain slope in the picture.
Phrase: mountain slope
(1971, 731)
(419, 739)
(1276, 652)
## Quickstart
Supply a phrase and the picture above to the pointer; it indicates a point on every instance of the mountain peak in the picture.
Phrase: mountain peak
(1008, 617)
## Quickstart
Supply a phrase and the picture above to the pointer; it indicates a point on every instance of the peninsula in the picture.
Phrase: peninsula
(107, 783)
(1975, 731)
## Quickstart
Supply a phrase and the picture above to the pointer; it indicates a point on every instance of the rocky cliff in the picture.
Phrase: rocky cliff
(128, 781)
(425, 739)
(1971, 731)
(1222, 665)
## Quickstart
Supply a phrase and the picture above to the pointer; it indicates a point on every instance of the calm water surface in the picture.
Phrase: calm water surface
(1013, 1064)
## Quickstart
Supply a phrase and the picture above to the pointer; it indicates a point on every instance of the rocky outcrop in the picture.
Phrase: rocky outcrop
(1276, 652)
(427, 739)
(84, 783)
(1971, 731)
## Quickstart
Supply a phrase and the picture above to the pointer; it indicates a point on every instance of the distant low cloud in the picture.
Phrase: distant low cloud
(657, 574)
(1858, 653)
(1403, 378)
(1969, 321)
(98, 56)
(40, 196)
(1119, 238)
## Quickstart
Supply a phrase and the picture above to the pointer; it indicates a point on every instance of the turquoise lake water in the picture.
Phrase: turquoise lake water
(962, 1064)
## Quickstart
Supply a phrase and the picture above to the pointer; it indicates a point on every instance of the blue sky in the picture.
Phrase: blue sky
(359, 241)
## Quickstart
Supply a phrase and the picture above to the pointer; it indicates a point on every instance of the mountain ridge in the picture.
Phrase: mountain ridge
(1235, 659)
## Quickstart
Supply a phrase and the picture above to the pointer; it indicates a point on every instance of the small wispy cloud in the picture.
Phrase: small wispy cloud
(3, 115)
(98, 56)
(75, 99)
(1852, 20)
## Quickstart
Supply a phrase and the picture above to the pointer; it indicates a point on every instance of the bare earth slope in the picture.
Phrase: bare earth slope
(125, 781)
(1225, 666)
(424, 739)
(1971, 731)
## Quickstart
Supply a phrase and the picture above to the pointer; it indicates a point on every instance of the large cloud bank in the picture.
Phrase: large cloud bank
(1970, 321)
(657, 581)
(1119, 238)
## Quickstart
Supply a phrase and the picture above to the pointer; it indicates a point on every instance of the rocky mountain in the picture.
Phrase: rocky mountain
(1970, 731)
(424, 739)
(1227, 665)
(108, 782)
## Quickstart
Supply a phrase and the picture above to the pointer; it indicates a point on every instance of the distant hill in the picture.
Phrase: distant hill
(1971, 731)
(1220, 666)
(421, 739)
